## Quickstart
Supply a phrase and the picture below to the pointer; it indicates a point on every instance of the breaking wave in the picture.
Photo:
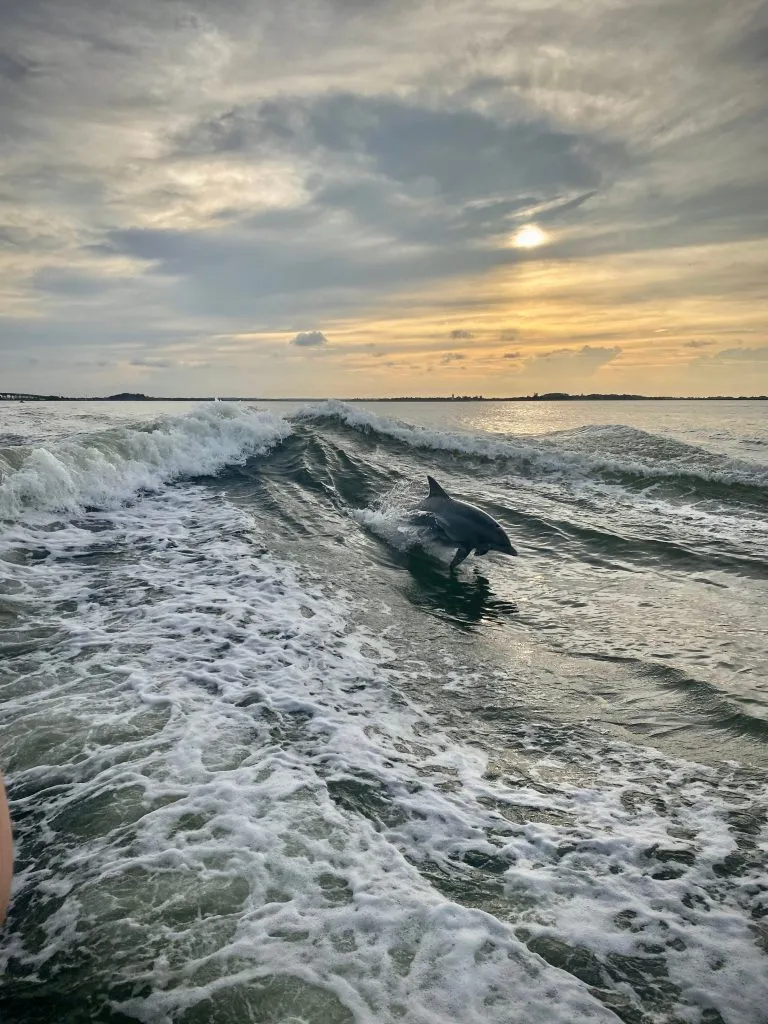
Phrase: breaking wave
(108, 468)
(268, 761)
(619, 453)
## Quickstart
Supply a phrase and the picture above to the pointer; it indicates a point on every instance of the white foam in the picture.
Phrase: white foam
(550, 455)
(235, 788)
(227, 708)
(109, 468)
(232, 770)
(392, 519)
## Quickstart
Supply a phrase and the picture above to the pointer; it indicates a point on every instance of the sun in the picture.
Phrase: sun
(528, 237)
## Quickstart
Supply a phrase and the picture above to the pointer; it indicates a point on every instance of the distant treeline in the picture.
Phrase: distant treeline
(549, 396)
(563, 396)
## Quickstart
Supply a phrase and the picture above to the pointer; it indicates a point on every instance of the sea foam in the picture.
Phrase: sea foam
(241, 803)
(110, 467)
(214, 739)
(611, 450)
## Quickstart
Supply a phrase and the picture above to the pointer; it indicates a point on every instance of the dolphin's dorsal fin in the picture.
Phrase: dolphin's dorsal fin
(435, 490)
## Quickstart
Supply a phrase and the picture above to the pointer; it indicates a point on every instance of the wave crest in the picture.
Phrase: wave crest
(109, 468)
(625, 454)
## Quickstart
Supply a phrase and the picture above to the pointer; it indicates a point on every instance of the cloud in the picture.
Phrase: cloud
(15, 68)
(697, 344)
(165, 363)
(380, 201)
(160, 183)
(735, 359)
(459, 153)
(461, 335)
(587, 355)
(552, 210)
(567, 369)
(452, 357)
(509, 334)
(151, 363)
(758, 354)
(309, 339)
(512, 355)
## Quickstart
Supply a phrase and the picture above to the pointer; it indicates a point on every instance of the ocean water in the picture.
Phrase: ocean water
(269, 761)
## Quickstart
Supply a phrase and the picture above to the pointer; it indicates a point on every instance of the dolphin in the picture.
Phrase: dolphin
(463, 524)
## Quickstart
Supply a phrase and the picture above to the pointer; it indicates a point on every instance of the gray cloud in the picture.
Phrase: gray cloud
(758, 354)
(513, 355)
(60, 281)
(567, 369)
(152, 363)
(460, 154)
(460, 334)
(587, 355)
(15, 68)
(309, 339)
(452, 357)
(156, 181)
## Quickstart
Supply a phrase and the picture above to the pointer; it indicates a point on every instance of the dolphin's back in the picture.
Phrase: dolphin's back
(468, 524)
(463, 523)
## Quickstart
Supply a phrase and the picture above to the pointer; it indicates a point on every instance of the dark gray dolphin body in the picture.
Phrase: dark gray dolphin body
(463, 524)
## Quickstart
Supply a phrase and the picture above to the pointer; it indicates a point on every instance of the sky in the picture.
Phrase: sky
(383, 197)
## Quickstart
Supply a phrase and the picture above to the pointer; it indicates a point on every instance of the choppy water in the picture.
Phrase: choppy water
(269, 762)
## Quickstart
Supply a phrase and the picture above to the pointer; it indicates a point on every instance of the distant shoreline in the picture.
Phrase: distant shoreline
(552, 396)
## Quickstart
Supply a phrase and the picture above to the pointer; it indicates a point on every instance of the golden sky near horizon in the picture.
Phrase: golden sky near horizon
(327, 198)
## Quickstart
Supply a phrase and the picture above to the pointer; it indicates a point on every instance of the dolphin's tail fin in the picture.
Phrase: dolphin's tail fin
(435, 490)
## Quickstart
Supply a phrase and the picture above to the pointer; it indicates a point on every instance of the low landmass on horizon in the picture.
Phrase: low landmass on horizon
(550, 396)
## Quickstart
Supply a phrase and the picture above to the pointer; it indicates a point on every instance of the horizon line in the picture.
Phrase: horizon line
(549, 396)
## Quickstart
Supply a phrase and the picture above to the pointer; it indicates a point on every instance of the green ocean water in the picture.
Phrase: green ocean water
(268, 760)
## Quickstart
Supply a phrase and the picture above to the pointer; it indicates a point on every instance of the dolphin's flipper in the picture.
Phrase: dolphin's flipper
(459, 557)
(438, 525)
(420, 516)
(435, 490)
(434, 522)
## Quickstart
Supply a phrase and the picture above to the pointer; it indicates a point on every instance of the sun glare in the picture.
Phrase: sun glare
(528, 237)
